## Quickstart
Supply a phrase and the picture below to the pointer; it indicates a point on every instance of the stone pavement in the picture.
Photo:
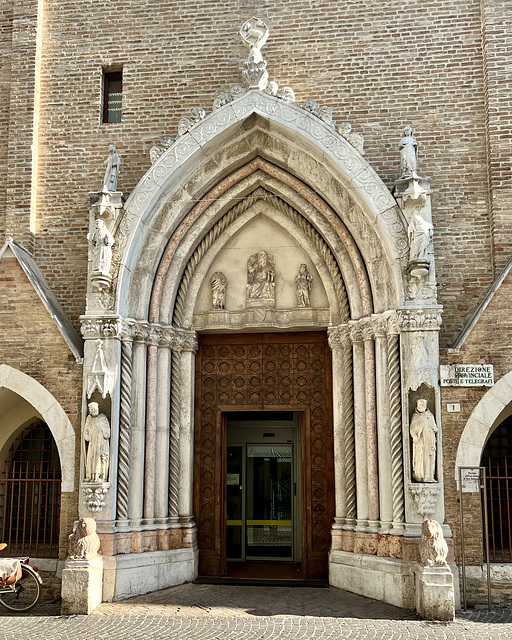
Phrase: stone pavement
(213, 612)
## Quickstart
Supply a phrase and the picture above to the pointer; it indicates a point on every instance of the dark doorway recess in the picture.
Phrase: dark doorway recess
(263, 468)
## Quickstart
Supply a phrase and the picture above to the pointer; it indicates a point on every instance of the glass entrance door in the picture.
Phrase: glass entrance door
(261, 495)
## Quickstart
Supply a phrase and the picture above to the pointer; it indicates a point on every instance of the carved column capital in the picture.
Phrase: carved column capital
(380, 326)
(367, 328)
(356, 331)
(392, 324)
(427, 319)
(127, 330)
(339, 337)
(141, 332)
(92, 328)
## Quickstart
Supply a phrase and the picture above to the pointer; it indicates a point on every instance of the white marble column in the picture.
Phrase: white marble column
(383, 434)
(140, 334)
(356, 336)
(371, 425)
(335, 337)
(186, 444)
(162, 427)
(150, 435)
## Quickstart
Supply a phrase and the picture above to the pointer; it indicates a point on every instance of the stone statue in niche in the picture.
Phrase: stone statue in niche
(420, 234)
(433, 548)
(84, 542)
(408, 155)
(261, 277)
(97, 444)
(423, 431)
(102, 241)
(218, 283)
(112, 163)
(303, 281)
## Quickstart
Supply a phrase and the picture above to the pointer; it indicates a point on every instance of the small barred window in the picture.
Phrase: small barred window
(112, 96)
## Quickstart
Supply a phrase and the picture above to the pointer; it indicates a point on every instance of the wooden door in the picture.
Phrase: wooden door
(254, 372)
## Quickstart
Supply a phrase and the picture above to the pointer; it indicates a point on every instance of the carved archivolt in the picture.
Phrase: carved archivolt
(308, 230)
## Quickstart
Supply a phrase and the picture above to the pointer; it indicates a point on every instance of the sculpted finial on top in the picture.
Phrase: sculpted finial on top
(254, 33)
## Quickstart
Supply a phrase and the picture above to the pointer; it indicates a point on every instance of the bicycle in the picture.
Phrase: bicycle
(20, 589)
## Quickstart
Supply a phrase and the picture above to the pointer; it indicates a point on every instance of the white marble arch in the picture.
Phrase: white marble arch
(293, 139)
(51, 412)
(488, 413)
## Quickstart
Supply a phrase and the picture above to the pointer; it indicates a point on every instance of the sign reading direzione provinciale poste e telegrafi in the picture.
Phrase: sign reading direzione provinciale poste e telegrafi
(467, 375)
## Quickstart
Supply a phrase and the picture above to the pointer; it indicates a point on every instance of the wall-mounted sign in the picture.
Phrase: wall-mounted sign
(470, 480)
(467, 375)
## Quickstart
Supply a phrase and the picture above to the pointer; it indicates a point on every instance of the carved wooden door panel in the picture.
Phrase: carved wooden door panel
(261, 372)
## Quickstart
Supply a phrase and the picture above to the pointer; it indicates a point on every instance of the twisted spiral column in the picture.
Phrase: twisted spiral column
(395, 410)
(123, 473)
(348, 431)
(174, 440)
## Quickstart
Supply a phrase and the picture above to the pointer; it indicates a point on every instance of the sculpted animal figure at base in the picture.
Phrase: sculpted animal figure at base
(433, 547)
(84, 542)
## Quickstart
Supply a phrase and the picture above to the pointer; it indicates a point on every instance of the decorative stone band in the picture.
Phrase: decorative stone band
(385, 324)
(127, 329)
(425, 498)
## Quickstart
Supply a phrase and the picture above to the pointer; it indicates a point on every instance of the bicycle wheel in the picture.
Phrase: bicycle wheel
(25, 595)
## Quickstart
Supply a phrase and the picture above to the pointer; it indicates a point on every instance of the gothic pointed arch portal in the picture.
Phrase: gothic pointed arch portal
(262, 175)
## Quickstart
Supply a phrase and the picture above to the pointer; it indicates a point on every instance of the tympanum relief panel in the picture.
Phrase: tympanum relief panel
(262, 276)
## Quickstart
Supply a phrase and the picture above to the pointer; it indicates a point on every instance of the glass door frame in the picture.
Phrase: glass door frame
(252, 432)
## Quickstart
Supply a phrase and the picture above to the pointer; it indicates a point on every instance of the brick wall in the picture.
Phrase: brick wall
(379, 65)
(32, 344)
(490, 343)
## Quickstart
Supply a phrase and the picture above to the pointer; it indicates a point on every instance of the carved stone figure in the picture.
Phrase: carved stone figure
(218, 283)
(84, 542)
(423, 430)
(97, 442)
(261, 277)
(408, 155)
(433, 548)
(272, 88)
(254, 33)
(303, 280)
(420, 233)
(113, 164)
(287, 94)
(102, 241)
(158, 149)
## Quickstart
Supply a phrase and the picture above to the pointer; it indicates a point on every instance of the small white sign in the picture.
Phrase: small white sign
(453, 407)
(467, 375)
(470, 480)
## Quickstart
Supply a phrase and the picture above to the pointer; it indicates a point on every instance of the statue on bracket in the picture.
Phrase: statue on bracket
(420, 234)
(254, 33)
(261, 268)
(408, 155)
(102, 241)
(423, 431)
(303, 281)
(218, 283)
(97, 444)
(113, 164)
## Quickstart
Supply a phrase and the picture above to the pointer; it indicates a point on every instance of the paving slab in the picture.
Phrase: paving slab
(214, 612)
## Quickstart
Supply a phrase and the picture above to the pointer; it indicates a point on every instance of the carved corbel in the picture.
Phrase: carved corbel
(425, 498)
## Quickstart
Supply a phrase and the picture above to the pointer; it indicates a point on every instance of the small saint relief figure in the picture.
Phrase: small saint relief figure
(218, 284)
(97, 444)
(112, 164)
(101, 240)
(420, 234)
(303, 281)
(261, 277)
(423, 431)
(408, 155)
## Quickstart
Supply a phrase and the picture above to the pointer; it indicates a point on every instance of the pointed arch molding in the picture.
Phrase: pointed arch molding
(481, 423)
(51, 412)
(328, 172)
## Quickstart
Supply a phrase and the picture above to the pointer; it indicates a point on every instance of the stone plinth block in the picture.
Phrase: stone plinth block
(435, 598)
(82, 585)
